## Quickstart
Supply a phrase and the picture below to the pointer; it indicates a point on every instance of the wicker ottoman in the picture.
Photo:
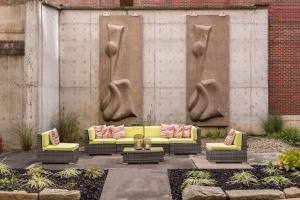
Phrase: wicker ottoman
(154, 155)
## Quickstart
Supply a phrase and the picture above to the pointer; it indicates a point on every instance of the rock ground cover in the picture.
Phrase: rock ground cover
(176, 178)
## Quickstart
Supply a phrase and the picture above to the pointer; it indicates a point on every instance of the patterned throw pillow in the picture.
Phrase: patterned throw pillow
(54, 137)
(99, 131)
(166, 131)
(118, 131)
(187, 131)
(107, 132)
(178, 130)
(230, 137)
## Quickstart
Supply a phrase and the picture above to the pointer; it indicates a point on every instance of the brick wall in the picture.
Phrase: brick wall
(284, 42)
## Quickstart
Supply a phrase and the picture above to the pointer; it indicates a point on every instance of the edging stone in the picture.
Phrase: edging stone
(196, 192)
(265, 194)
(292, 192)
(18, 195)
(59, 194)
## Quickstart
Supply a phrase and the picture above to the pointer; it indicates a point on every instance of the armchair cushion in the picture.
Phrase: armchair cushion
(62, 147)
(125, 141)
(182, 141)
(238, 138)
(222, 147)
(46, 138)
(92, 133)
(103, 141)
(131, 131)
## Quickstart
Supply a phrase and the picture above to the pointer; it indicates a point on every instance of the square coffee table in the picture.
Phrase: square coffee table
(153, 155)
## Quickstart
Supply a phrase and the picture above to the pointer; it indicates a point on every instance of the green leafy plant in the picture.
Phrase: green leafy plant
(289, 160)
(198, 181)
(39, 182)
(216, 134)
(94, 173)
(36, 171)
(296, 174)
(26, 135)
(4, 169)
(291, 135)
(68, 173)
(274, 123)
(277, 181)
(68, 128)
(244, 178)
(8, 181)
(198, 174)
(269, 169)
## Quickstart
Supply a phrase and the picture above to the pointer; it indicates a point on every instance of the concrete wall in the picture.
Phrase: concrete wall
(50, 68)
(165, 65)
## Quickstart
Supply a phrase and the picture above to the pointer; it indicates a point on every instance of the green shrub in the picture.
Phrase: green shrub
(216, 134)
(244, 178)
(289, 160)
(94, 173)
(269, 169)
(26, 135)
(4, 169)
(39, 182)
(68, 173)
(8, 181)
(274, 123)
(277, 181)
(68, 128)
(198, 174)
(198, 181)
(291, 135)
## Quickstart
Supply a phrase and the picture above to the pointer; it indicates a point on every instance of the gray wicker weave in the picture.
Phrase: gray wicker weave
(155, 155)
(98, 149)
(55, 156)
(187, 148)
(229, 156)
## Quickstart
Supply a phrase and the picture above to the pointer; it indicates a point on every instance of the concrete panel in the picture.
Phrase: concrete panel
(170, 105)
(148, 16)
(95, 14)
(148, 55)
(94, 106)
(261, 16)
(95, 52)
(149, 106)
(75, 16)
(170, 17)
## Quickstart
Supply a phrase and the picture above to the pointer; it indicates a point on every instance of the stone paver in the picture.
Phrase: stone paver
(136, 184)
(292, 192)
(266, 194)
(196, 192)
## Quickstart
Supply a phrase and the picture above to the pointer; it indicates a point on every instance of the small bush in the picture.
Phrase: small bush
(198, 181)
(269, 169)
(291, 136)
(277, 181)
(8, 181)
(274, 123)
(94, 173)
(289, 160)
(26, 135)
(244, 178)
(68, 128)
(4, 169)
(198, 174)
(39, 182)
(68, 173)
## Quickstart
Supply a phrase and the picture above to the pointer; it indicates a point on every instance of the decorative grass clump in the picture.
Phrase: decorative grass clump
(277, 181)
(195, 177)
(269, 169)
(69, 173)
(4, 169)
(8, 181)
(26, 135)
(36, 171)
(296, 174)
(39, 182)
(273, 124)
(244, 178)
(68, 128)
(94, 173)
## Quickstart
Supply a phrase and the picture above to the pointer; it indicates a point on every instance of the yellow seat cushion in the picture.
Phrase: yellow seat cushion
(46, 138)
(103, 141)
(194, 133)
(222, 147)
(92, 133)
(238, 138)
(152, 132)
(159, 140)
(131, 131)
(62, 147)
(182, 141)
(125, 141)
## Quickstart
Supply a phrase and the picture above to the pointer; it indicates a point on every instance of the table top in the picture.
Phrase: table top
(132, 150)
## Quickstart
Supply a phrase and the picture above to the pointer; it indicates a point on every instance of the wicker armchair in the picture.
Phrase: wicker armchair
(55, 156)
(229, 156)
(94, 149)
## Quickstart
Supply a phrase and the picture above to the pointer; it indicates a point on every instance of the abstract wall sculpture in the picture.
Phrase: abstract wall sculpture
(121, 69)
(207, 70)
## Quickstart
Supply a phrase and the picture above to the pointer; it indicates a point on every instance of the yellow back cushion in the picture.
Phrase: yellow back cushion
(152, 132)
(131, 131)
(194, 133)
(46, 138)
(238, 138)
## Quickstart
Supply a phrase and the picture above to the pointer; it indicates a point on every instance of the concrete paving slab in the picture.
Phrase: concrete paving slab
(136, 184)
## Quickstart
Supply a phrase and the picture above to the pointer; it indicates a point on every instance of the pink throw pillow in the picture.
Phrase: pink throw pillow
(187, 131)
(54, 137)
(118, 131)
(166, 131)
(178, 131)
(99, 131)
(230, 137)
(107, 132)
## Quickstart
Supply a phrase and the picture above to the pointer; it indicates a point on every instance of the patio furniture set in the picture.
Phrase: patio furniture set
(69, 152)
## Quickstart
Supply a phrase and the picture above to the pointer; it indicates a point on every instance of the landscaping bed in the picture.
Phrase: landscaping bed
(89, 187)
(221, 176)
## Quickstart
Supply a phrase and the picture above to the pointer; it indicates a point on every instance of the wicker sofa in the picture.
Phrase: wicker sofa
(219, 152)
(171, 146)
(61, 153)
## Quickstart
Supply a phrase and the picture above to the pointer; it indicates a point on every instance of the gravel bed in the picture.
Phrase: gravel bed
(259, 144)
(90, 189)
(176, 178)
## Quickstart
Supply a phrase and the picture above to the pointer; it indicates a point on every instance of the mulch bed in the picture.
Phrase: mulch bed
(176, 178)
(89, 188)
